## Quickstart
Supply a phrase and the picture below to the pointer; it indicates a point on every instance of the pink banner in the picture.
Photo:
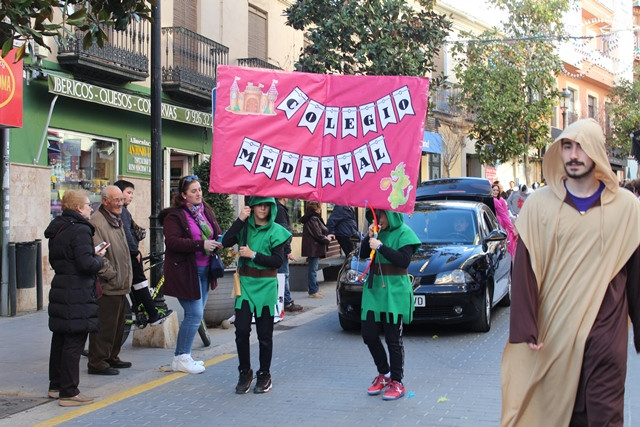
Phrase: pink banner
(349, 140)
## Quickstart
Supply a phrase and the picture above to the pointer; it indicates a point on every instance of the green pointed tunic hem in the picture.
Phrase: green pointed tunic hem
(261, 292)
(396, 297)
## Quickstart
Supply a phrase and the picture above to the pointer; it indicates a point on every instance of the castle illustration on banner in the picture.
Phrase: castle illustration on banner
(252, 100)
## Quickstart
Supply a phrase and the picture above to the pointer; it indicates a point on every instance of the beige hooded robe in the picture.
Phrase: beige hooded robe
(574, 257)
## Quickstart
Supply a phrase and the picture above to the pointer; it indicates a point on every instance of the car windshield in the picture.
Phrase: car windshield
(444, 226)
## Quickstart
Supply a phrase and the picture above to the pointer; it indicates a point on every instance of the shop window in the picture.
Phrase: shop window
(296, 210)
(79, 161)
(434, 166)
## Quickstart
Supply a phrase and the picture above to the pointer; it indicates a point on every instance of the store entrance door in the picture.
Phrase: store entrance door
(177, 163)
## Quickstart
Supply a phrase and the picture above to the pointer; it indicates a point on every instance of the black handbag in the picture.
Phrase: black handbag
(216, 268)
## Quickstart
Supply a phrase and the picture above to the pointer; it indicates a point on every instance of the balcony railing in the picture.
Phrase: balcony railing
(190, 63)
(123, 58)
(447, 102)
(256, 63)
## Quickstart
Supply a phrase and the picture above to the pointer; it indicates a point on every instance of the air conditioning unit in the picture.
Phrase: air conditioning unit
(39, 51)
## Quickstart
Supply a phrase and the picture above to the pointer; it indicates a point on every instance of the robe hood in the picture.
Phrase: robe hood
(589, 134)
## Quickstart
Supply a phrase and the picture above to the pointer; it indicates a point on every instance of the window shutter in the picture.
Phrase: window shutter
(257, 34)
(185, 14)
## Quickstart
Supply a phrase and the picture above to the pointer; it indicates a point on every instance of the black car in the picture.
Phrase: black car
(460, 272)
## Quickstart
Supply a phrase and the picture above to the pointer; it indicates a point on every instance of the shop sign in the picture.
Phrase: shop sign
(490, 172)
(124, 101)
(10, 91)
(138, 156)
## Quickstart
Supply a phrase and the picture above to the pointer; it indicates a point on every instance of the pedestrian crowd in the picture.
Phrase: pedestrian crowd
(574, 243)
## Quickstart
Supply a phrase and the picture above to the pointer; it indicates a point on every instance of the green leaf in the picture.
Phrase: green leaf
(79, 15)
(20, 52)
(7, 46)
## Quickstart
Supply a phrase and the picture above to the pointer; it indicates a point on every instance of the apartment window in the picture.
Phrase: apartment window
(592, 107)
(572, 101)
(185, 14)
(257, 33)
(608, 129)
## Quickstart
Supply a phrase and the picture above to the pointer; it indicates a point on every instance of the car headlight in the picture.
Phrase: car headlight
(454, 277)
(351, 277)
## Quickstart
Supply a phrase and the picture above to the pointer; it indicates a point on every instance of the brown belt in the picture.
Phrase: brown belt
(257, 273)
(389, 270)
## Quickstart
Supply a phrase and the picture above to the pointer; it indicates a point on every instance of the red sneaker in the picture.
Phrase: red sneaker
(394, 392)
(379, 383)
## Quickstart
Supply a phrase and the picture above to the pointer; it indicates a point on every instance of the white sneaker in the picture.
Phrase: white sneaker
(197, 362)
(184, 363)
(174, 365)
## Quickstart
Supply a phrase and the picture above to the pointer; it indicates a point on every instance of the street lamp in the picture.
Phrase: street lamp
(566, 94)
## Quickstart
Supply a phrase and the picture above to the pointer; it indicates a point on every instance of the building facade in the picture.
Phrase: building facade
(87, 111)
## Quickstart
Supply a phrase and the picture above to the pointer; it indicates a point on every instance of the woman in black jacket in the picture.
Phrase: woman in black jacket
(73, 311)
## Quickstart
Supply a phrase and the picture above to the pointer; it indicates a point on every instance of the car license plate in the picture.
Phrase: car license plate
(419, 301)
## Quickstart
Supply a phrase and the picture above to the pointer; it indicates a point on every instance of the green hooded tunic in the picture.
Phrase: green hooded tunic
(260, 292)
(396, 296)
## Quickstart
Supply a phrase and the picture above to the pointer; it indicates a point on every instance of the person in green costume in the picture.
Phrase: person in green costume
(261, 248)
(387, 299)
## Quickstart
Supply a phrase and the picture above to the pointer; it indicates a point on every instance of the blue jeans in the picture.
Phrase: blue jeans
(193, 312)
(312, 274)
(284, 269)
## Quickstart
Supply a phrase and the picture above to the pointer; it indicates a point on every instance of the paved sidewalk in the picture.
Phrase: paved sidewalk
(24, 358)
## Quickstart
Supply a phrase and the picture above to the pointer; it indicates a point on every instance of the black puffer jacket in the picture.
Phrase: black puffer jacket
(72, 299)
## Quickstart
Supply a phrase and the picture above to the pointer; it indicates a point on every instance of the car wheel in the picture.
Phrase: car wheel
(506, 300)
(483, 323)
(348, 325)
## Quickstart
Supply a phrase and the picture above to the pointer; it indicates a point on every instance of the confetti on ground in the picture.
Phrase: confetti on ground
(443, 399)
(411, 394)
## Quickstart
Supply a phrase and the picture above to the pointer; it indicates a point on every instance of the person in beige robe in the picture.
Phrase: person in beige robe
(576, 281)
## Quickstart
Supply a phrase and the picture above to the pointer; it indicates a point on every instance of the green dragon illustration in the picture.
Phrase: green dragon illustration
(398, 182)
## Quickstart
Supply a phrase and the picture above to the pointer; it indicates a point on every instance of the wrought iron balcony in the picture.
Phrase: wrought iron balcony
(256, 63)
(190, 63)
(447, 101)
(124, 58)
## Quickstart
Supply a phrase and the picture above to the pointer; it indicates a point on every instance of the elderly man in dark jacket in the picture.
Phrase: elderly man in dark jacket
(115, 278)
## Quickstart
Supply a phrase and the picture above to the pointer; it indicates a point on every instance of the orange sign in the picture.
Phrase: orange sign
(10, 91)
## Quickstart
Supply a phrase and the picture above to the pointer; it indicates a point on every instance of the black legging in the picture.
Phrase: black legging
(264, 328)
(393, 337)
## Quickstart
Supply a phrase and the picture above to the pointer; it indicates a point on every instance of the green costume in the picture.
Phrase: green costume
(390, 294)
(260, 292)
